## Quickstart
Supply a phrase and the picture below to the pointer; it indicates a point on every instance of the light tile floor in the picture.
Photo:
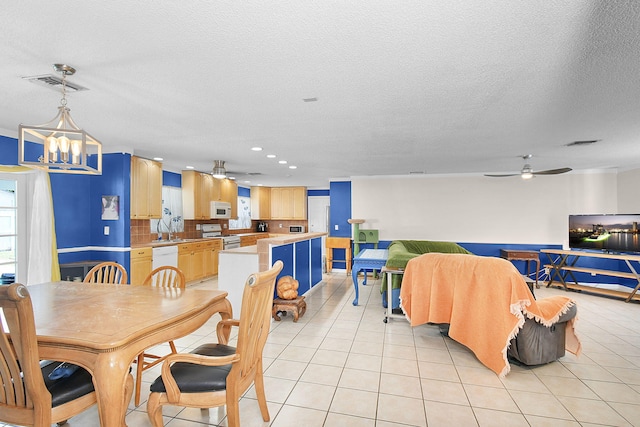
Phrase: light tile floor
(341, 365)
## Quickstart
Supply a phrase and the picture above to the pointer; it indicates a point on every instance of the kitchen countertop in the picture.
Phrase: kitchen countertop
(157, 243)
(279, 240)
(274, 239)
(283, 239)
(253, 249)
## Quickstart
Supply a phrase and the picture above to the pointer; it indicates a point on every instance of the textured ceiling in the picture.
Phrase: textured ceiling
(423, 86)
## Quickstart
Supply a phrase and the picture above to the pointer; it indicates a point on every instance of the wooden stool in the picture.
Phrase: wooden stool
(332, 243)
(296, 306)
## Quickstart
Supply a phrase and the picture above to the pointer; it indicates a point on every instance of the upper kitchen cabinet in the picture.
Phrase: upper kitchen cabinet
(197, 192)
(289, 203)
(146, 188)
(260, 203)
(229, 194)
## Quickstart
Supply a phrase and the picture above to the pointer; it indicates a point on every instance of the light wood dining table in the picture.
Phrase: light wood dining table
(104, 327)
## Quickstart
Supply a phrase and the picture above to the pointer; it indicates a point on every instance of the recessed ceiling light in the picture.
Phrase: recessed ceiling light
(158, 159)
(233, 178)
(283, 162)
(271, 156)
(256, 149)
(247, 182)
(293, 167)
(189, 167)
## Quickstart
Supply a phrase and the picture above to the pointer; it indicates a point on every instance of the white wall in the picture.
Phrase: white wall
(628, 185)
(479, 209)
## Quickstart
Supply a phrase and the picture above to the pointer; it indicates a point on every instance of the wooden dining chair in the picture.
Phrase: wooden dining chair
(28, 396)
(218, 374)
(164, 277)
(107, 272)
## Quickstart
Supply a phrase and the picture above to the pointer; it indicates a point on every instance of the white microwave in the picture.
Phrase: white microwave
(220, 210)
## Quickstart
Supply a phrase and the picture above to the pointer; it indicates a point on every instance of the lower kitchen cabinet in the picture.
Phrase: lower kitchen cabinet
(185, 256)
(211, 254)
(248, 240)
(198, 260)
(141, 261)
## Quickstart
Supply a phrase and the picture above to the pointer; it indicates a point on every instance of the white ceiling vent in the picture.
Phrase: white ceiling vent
(54, 82)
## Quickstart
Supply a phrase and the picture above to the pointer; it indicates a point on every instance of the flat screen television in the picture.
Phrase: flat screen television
(610, 233)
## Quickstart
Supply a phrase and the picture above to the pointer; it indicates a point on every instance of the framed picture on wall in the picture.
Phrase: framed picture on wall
(110, 207)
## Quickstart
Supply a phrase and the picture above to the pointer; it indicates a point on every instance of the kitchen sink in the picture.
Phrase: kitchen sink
(172, 240)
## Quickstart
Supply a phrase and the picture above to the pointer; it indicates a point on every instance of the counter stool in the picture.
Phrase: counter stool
(338, 243)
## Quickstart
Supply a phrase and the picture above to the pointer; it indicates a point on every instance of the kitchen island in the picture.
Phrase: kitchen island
(301, 254)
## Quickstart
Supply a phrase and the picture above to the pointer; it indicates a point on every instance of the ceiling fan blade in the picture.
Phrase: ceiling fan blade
(502, 175)
(553, 171)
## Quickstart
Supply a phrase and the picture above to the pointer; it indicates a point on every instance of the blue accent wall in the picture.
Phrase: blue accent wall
(171, 179)
(71, 207)
(244, 192)
(318, 193)
(77, 205)
(340, 209)
(339, 213)
(8, 151)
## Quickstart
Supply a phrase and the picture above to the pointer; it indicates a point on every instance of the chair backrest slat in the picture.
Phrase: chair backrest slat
(166, 276)
(255, 320)
(20, 372)
(107, 272)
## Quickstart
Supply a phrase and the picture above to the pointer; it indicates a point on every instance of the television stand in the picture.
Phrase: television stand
(564, 265)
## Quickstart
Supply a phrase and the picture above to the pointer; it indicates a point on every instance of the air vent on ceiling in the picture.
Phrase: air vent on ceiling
(585, 142)
(54, 82)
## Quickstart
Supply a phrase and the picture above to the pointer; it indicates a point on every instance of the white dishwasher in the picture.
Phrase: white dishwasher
(165, 255)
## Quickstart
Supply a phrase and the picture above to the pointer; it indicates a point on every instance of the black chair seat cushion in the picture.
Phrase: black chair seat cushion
(193, 378)
(64, 390)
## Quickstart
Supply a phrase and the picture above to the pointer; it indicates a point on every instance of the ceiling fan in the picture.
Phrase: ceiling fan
(528, 173)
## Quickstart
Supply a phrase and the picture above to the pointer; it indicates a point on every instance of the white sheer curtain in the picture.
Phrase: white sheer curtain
(39, 236)
(42, 265)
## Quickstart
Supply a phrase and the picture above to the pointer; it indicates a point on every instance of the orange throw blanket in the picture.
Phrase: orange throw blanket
(483, 299)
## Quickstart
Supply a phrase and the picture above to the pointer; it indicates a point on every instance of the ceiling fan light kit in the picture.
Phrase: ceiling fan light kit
(528, 173)
(218, 169)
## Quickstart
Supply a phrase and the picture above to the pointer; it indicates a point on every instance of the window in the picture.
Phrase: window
(244, 215)
(171, 212)
(8, 230)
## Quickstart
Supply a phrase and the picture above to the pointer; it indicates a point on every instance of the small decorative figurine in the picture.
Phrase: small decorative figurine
(287, 288)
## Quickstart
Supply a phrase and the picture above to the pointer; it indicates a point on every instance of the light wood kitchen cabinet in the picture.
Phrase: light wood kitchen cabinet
(197, 261)
(248, 240)
(185, 252)
(197, 191)
(211, 254)
(146, 188)
(229, 194)
(140, 264)
(289, 203)
(194, 259)
(260, 202)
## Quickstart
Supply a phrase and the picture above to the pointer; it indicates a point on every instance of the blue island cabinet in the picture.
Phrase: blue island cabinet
(302, 260)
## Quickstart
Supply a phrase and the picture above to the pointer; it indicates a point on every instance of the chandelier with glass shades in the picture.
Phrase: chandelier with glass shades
(59, 145)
